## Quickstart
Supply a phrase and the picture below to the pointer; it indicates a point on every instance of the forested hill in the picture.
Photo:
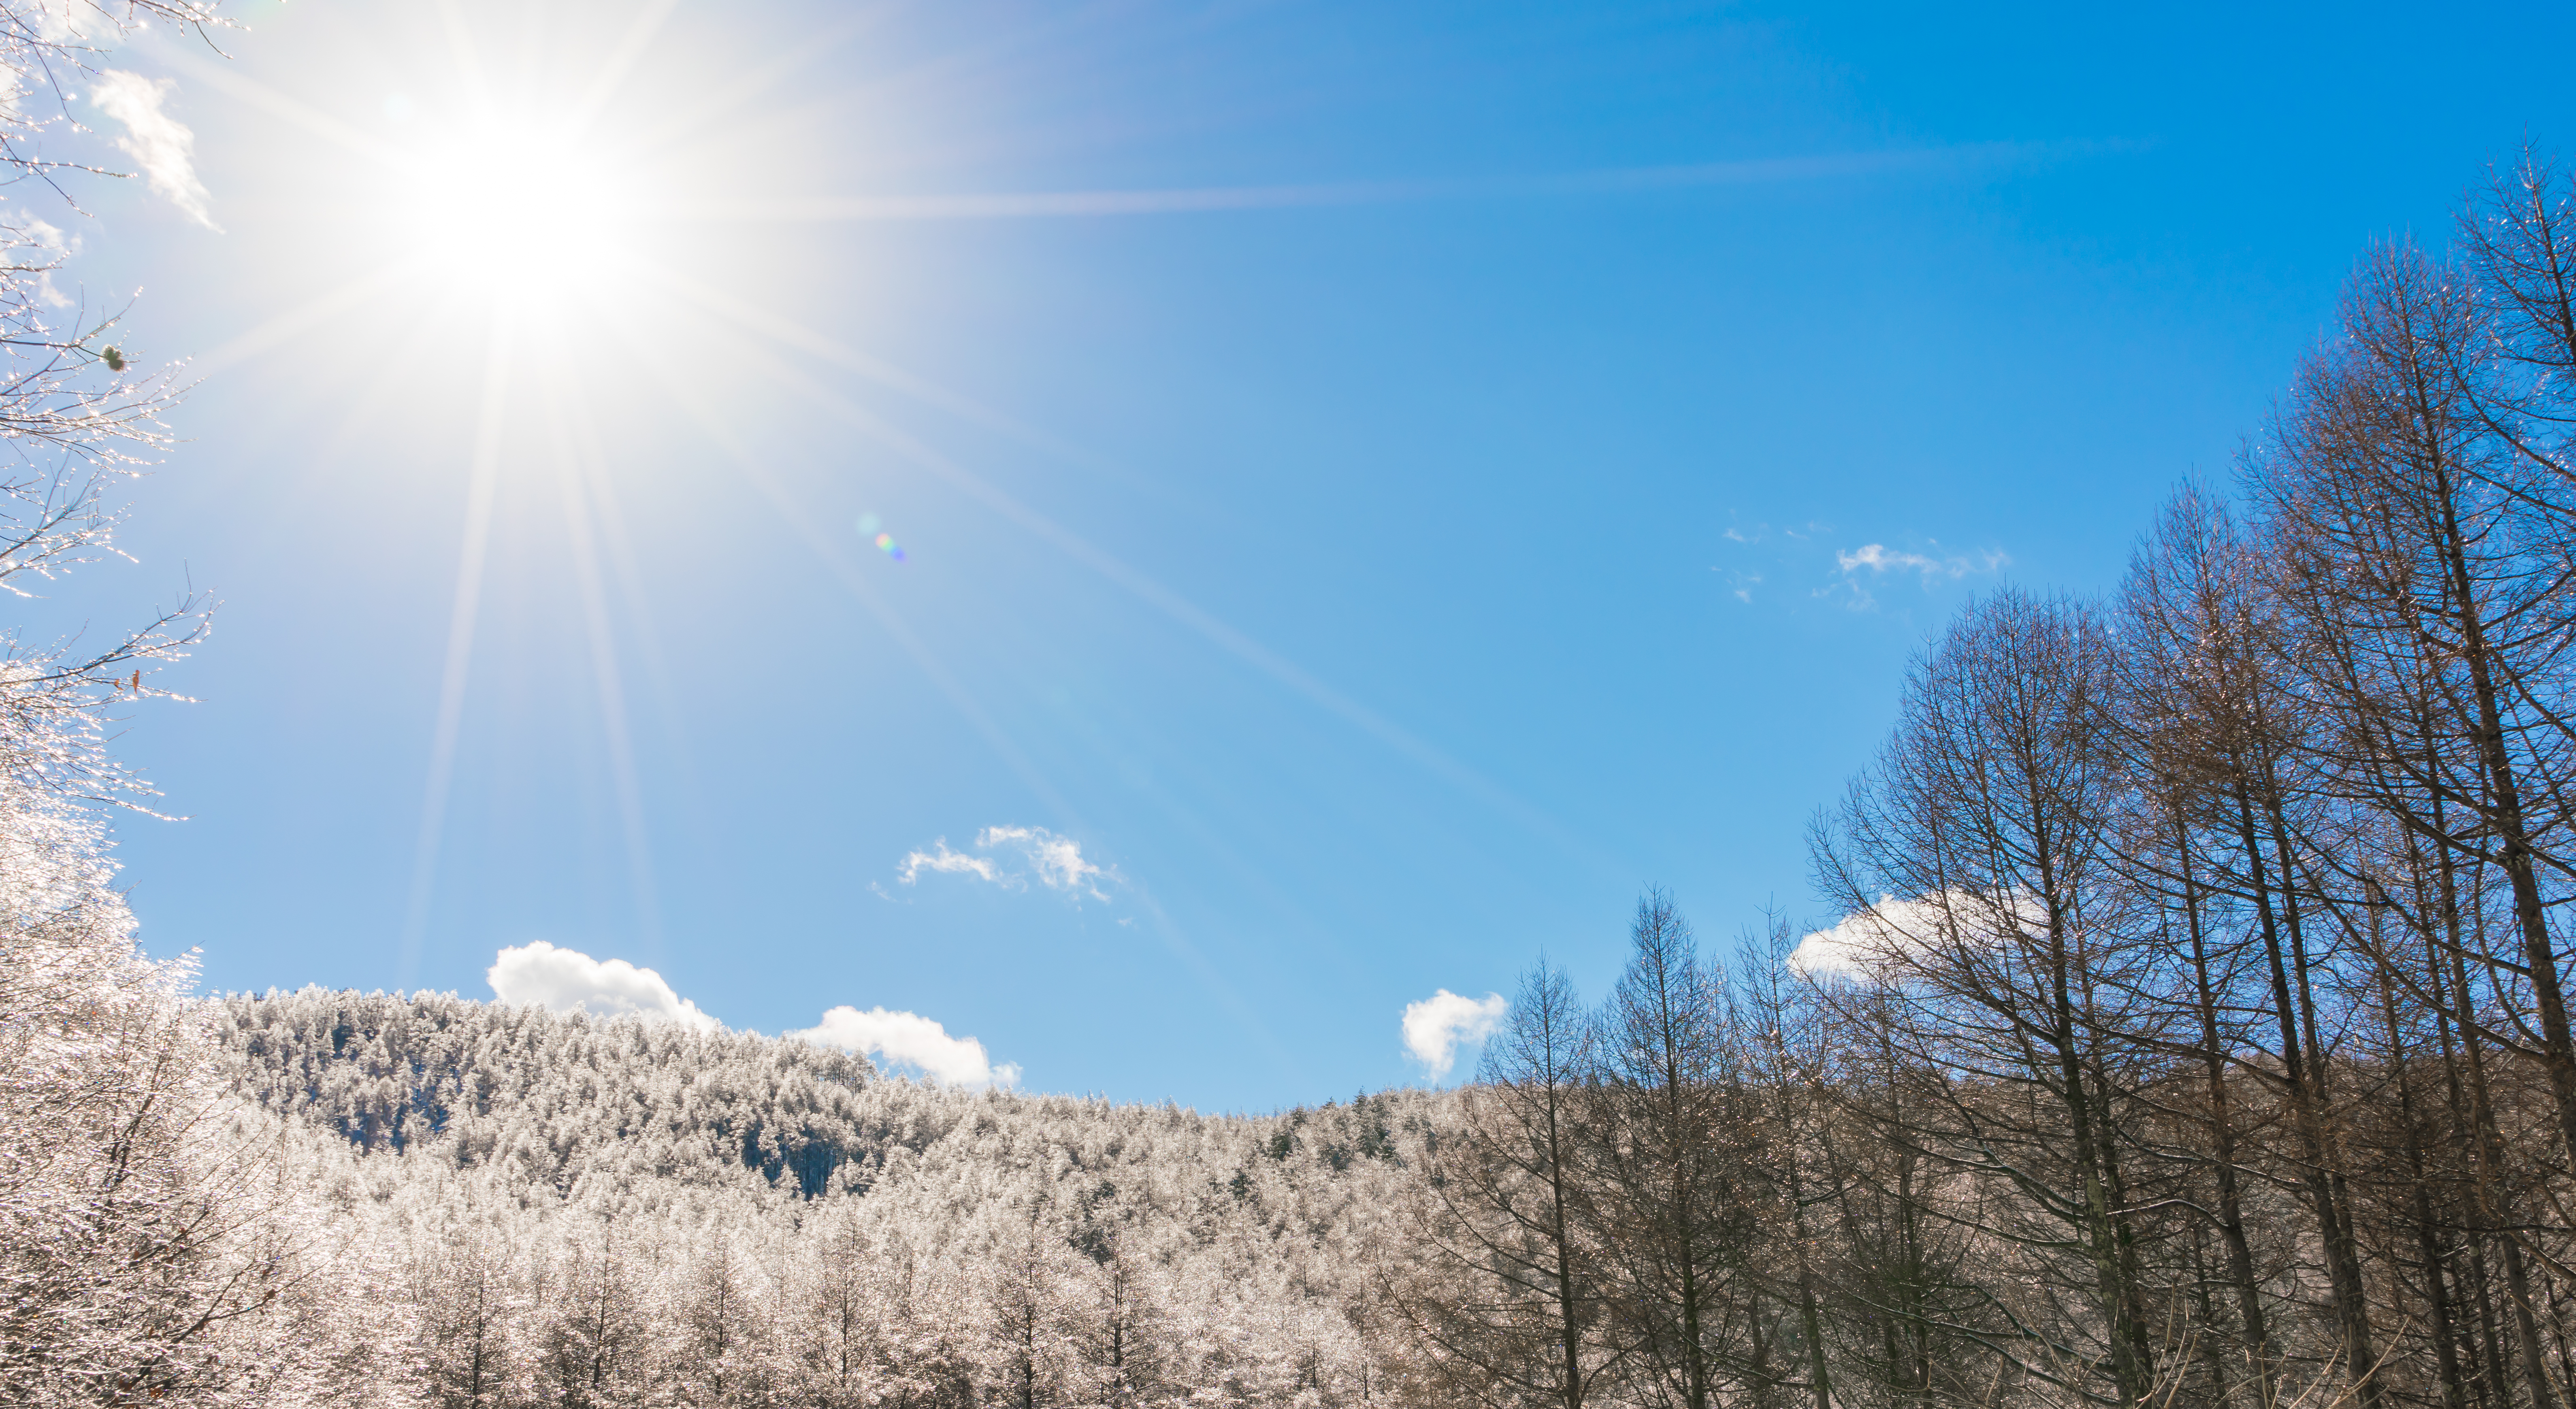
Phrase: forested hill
(557, 1099)
(568, 1210)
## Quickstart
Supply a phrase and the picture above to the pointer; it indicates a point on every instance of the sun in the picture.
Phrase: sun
(528, 210)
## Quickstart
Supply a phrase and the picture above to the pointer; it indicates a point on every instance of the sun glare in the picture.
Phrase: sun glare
(521, 210)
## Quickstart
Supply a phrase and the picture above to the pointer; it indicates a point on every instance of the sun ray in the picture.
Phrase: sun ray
(1180, 609)
(576, 451)
(725, 97)
(460, 47)
(395, 373)
(278, 329)
(1245, 1015)
(613, 70)
(600, 492)
(807, 527)
(482, 488)
(1187, 200)
(791, 333)
(259, 95)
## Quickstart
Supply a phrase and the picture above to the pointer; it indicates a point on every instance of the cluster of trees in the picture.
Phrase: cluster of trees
(507, 1207)
(2200, 1032)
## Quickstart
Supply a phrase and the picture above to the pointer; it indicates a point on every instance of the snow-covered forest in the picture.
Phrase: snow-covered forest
(2193, 1030)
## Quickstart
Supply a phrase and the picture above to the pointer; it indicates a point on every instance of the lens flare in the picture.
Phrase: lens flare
(870, 528)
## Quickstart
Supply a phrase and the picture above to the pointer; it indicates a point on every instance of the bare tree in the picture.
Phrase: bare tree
(1669, 1135)
(1517, 1308)
(1989, 809)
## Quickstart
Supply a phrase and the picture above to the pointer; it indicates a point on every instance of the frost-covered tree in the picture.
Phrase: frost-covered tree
(135, 1253)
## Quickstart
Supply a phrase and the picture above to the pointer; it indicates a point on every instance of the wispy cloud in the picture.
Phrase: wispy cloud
(1057, 860)
(1879, 558)
(940, 858)
(1016, 855)
(911, 1041)
(158, 143)
(1872, 561)
(1437, 1026)
(569, 981)
(1781, 555)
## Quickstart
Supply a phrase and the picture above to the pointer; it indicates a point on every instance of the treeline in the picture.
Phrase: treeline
(2199, 1034)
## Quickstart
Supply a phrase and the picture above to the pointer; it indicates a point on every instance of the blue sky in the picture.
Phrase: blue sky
(1383, 483)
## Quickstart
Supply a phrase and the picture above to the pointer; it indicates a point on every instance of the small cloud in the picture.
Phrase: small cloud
(1435, 1027)
(1055, 861)
(569, 981)
(1877, 560)
(940, 858)
(912, 1041)
(157, 142)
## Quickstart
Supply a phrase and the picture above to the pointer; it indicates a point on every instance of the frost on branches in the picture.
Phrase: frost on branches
(114, 1241)
(127, 1241)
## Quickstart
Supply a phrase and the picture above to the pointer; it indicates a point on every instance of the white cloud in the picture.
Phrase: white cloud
(567, 981)
(1435, 1027)
(157, 142)
(911, 1040)
(1844, 951)
(1056, 861)
(1877, 560)
(1862, 944)
(940, 858)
